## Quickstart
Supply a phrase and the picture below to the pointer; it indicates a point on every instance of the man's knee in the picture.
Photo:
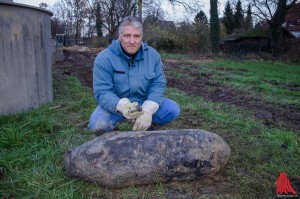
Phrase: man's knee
(175, 111)
(169, 112)
(100, 126)
(101, 121)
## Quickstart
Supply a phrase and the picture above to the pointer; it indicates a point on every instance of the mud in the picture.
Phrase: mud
(79, 63)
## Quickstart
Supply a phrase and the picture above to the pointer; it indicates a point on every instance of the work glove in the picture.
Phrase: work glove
(144, 121)
(128, 109)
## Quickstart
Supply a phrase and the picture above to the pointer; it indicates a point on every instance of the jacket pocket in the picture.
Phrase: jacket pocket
(120, 83)
(119, 72)
(146, 81)
(150, 76)
(119, 78)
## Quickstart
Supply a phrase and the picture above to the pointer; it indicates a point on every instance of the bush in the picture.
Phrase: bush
(187, 38)
(292, 51)
(194, 37)
(99, 42)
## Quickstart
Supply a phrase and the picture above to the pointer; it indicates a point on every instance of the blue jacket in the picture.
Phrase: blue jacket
(115, 76)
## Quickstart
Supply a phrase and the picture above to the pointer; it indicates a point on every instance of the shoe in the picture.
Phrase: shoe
(101, 131)
(154, 127)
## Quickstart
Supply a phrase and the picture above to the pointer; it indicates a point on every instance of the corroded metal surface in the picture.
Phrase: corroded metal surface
(122, 159)
(25, 58)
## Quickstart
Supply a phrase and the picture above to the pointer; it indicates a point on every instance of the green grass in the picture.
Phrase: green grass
(165, 55)
(178, 75)
(261, 151)
(32, 144)
(268, 79)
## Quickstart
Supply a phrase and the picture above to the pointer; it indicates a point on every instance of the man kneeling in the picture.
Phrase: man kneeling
(129, 82)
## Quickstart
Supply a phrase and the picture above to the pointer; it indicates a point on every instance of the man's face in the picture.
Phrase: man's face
(131, 39)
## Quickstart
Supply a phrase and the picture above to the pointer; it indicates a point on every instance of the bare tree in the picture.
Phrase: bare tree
(191, 6)
(113, 11)
(90, 21)
(140, 9)
(152, 10)
(60, 12)
(72, 14)
(77, 11)
(82, 17)
(273, 12)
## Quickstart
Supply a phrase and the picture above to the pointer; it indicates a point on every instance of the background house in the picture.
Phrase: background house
(292, 20)
(167, 25)
(258, 38)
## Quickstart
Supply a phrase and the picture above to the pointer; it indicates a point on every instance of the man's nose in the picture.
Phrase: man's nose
(131, 40)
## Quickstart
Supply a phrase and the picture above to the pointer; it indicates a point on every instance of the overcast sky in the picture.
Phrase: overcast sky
(176, 13)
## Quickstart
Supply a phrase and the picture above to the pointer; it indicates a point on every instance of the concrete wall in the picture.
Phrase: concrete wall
(25, 58)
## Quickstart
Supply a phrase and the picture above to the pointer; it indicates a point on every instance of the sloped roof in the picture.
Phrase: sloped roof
(258, 32)
(167, 25)
(164, 25)
(254, 33)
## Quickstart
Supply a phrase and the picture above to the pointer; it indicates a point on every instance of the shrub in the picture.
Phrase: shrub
(292, 51)
(99, 42)
(193, 38)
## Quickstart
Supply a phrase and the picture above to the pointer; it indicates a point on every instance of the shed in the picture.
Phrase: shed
(25, 58)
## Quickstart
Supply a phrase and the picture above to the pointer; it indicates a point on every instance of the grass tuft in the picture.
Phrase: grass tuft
(11, 137)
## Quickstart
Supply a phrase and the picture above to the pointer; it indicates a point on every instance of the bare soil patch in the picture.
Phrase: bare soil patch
(201, 85)
(79, 63)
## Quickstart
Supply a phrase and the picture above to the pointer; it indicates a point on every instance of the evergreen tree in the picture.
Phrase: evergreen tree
(201, 18)
(228, 18)
(248, 23)
(98, 21)
(238, 15)
(214, 27)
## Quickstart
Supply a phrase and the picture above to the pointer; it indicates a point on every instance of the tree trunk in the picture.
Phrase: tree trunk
(276, 28)
(140, 6)
(276, 41)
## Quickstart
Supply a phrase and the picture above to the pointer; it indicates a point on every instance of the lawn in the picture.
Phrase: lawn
(253, 105)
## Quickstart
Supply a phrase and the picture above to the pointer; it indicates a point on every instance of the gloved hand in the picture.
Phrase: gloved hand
(144, 121)
(128, 109)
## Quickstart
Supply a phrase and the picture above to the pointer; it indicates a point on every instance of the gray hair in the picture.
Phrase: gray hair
(131, 21)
